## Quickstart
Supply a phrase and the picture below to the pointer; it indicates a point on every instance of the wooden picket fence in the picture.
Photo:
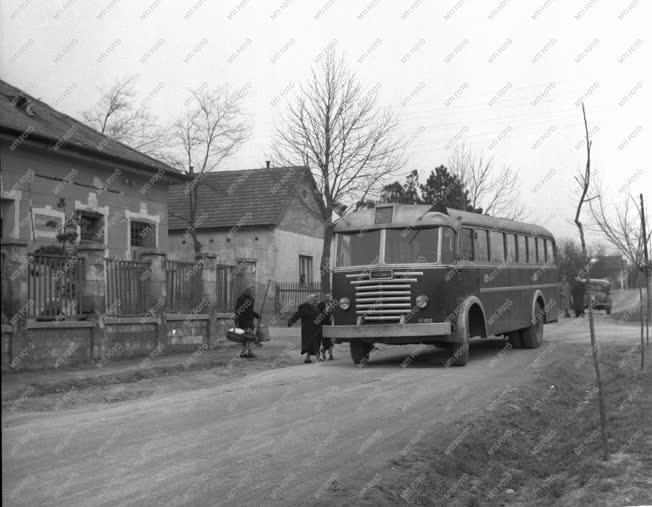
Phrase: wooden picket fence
(127, 287)
(225, 287)
(54, 285)
(184, 285)
(289, 295)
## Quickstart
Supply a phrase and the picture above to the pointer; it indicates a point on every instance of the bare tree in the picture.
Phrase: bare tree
(495, 190)
(621, 227)
(584, 181)
(211, 130)
(118, 116)
(333, 125)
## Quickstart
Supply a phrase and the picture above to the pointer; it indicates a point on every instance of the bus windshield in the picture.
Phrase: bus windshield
(418, 245)
(358, 248)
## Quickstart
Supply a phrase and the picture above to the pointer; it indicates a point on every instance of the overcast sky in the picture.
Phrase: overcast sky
(504, 76)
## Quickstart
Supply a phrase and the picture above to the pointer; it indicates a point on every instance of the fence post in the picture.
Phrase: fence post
(93, 293)
(15, 301)
(208, 292)
(156, 289)
(94, 283)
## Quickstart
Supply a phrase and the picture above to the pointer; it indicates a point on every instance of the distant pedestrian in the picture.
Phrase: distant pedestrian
(578, 294)
(565, 295)
(244, 319)
(308, 312)
(325, 318)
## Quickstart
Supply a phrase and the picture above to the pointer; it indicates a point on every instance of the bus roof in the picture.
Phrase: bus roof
(407, 215)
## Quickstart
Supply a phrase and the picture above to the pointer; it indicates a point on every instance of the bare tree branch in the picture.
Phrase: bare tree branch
(495, 190)
(118, 116)
(334, 127)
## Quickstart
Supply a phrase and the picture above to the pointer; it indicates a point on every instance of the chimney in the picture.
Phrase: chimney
(267, 164)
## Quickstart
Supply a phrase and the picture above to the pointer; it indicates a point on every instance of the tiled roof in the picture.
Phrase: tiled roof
(51, 126)
(253, 197)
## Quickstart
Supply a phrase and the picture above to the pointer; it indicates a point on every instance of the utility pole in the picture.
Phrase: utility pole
(647, 272)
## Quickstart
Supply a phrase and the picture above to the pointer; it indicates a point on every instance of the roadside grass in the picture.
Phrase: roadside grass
(540, 445)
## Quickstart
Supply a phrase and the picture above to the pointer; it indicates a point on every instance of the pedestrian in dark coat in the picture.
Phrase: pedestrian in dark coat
(244, 319)
(565, 295)
(325, 318)
(578, 294)
(308, 312)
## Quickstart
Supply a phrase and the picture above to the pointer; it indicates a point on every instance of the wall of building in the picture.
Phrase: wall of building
(255, 244)
(109, 189)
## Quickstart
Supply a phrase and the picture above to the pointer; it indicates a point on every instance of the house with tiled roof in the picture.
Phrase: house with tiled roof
(268, 221)
(120, 194)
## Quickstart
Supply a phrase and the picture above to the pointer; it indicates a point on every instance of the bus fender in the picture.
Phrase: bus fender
(462, 325)
(537, 294)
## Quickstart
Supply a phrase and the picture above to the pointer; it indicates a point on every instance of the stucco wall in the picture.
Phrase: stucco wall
(107, 188)
(289, 246)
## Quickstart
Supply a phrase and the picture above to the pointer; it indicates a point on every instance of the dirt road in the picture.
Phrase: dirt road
(287, 436)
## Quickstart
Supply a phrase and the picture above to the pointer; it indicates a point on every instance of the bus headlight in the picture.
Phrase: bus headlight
(345, 304)
(422, 301)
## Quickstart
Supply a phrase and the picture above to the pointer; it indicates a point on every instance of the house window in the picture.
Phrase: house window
(305, 269)
(143, 234)
(91, 225)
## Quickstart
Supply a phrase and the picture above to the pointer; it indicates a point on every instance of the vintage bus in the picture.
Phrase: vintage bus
(413, 274)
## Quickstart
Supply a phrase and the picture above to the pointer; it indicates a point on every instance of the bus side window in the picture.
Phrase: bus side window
(531, 250)
(541, 251)
(481, 245)
(447, 245)
(466, 244)
(550, 248)
(497, 246)
(511, 242)
(522, 249)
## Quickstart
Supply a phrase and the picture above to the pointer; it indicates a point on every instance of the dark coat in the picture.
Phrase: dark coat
(325, 317)
(310, 328)
(244, 312)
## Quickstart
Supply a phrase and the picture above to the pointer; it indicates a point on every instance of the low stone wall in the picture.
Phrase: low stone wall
(44, 345)
(186, 332)
(126, 337)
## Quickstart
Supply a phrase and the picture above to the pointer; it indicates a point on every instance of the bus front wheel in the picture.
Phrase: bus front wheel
(360, 351)
(459, 353)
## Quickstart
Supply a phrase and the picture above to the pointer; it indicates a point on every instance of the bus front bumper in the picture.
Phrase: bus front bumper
(389, 333)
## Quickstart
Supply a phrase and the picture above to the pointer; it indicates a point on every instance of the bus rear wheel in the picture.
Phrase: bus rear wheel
(532, 337)
(360, 351)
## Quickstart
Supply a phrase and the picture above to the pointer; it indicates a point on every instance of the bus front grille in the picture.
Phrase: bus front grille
(383, 300)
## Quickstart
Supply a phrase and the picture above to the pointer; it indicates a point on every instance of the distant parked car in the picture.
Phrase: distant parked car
(600, 294)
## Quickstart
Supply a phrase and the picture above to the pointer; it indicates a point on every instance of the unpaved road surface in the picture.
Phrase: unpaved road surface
(283, 436)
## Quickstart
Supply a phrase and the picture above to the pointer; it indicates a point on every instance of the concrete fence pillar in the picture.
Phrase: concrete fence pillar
(208, 261)
(156, 287)
(93, 290)
(16, 305)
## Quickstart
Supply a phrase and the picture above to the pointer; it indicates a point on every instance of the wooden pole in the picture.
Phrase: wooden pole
(647, 272)
(262, 306)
